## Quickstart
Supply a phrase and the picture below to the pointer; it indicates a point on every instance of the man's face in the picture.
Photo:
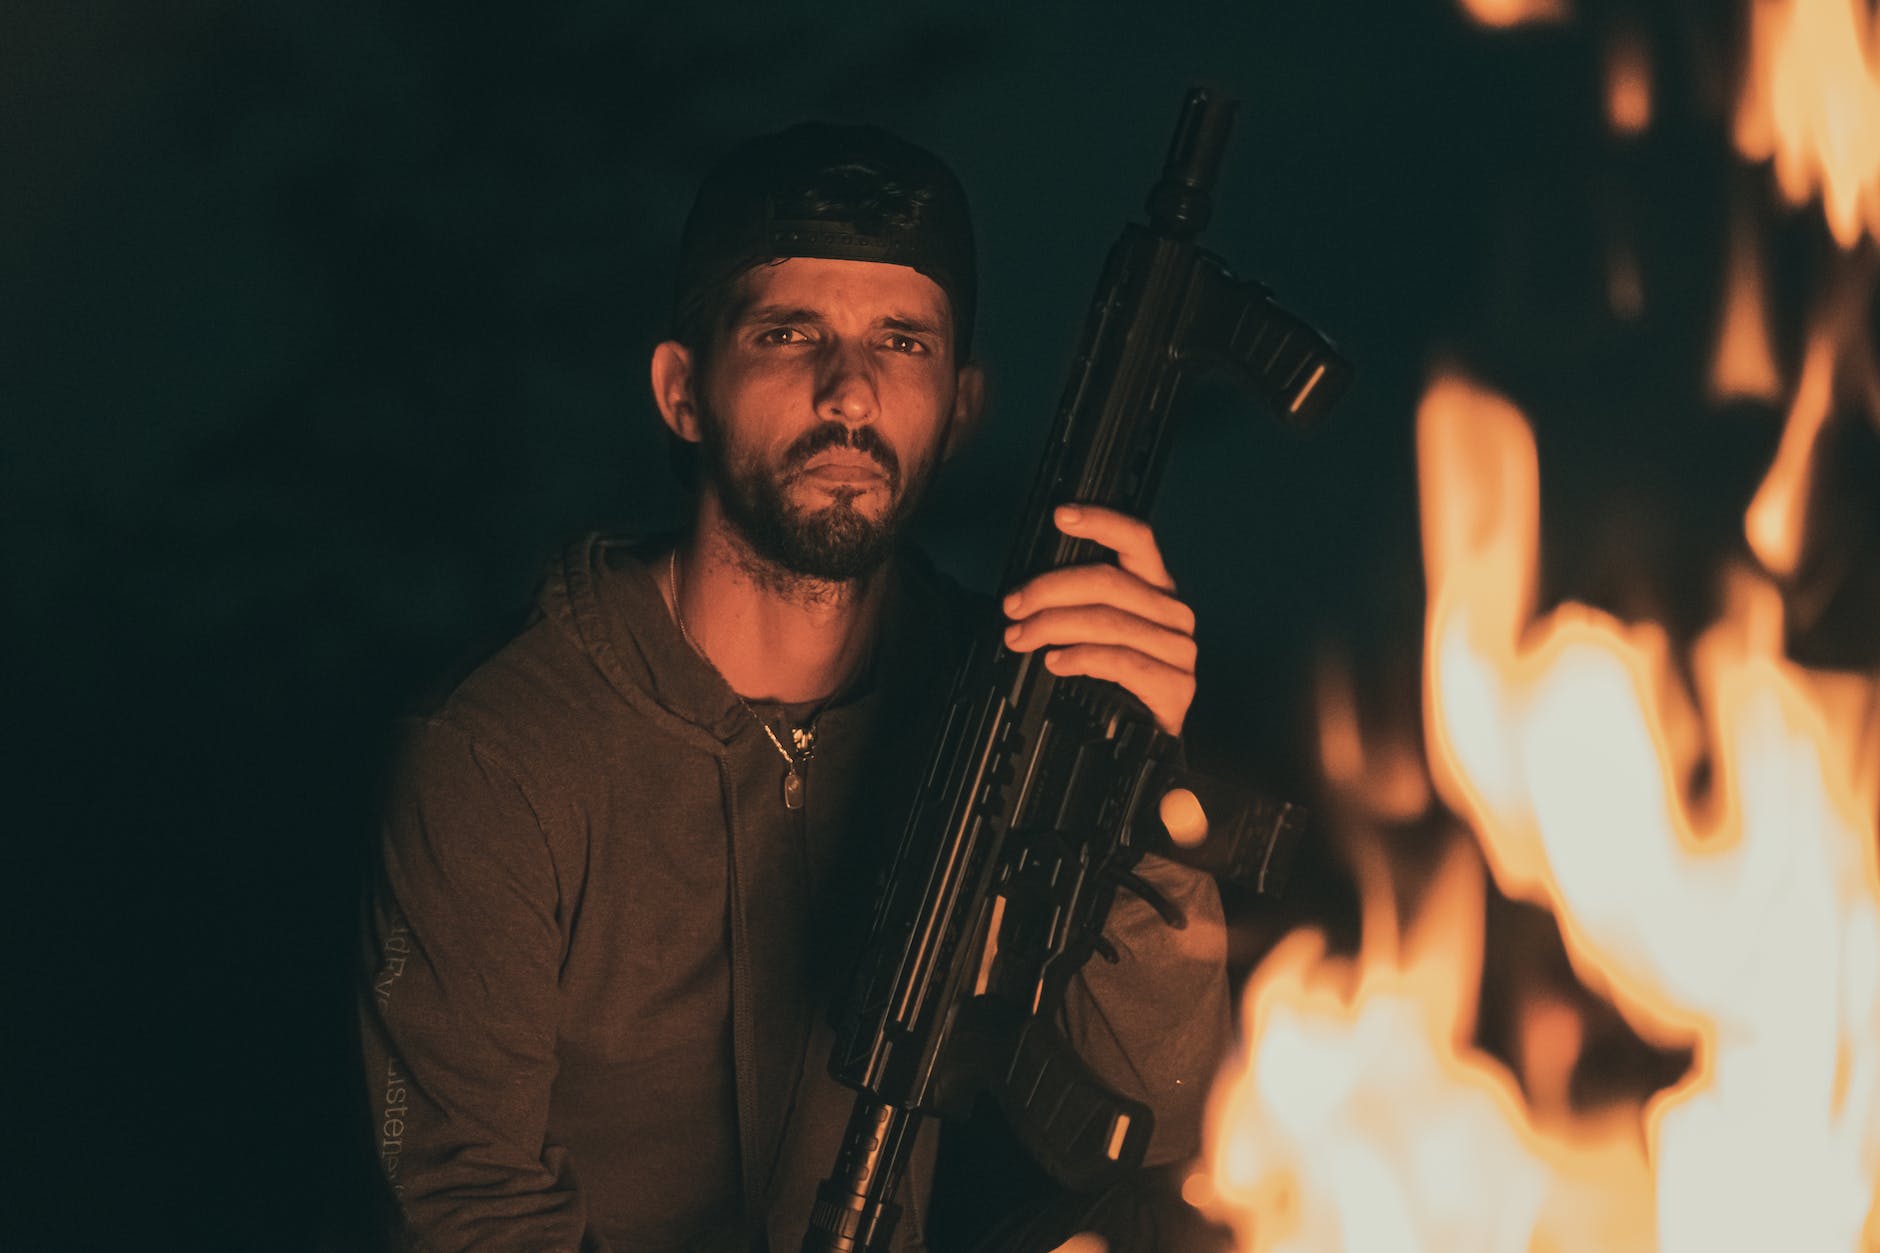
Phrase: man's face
(827, 404)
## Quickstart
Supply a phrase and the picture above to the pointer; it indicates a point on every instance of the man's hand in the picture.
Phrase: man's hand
(1118, 622)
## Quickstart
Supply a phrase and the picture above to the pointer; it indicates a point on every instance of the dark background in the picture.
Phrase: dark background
(321, 326)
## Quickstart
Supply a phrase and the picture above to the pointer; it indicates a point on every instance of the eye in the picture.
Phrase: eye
(906, 344)
(782, 335)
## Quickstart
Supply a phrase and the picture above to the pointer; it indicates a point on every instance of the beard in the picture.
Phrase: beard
(835, 542)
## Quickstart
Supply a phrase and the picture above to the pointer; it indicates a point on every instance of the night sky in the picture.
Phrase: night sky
(323, 326)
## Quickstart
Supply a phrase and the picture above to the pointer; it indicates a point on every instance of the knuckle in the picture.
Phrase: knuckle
(1118, 581)
(1044, 627)
(1063, 583)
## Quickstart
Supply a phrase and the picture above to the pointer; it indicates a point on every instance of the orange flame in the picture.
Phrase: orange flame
(1744, 365)
(1502, 14)
(1775, 519)
(1737, 917)
(1839, 349)
(1363, 1119)
(1743, 922)
(1387, 779)
(1628, 83)
(1811, 100)
(1747, 921)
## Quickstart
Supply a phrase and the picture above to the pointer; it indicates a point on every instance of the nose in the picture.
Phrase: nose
(846, 392)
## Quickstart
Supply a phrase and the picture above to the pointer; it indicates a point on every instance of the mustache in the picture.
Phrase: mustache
(824, 436)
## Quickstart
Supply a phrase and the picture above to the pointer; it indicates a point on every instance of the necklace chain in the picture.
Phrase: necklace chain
(803, 737)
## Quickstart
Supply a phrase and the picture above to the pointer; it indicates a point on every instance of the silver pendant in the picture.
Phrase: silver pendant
(793, 790)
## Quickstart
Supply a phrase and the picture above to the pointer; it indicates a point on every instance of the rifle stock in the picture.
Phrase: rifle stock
(1042, 791)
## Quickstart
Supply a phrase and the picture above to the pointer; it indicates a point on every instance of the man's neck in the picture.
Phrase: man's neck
(773, 635)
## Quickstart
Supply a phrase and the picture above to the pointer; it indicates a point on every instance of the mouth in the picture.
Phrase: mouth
(844, 471)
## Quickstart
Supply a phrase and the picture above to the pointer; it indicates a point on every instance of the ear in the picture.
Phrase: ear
(672, 390)
(969, 401)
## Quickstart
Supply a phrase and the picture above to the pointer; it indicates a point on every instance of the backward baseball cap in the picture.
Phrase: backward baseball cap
(817, 189)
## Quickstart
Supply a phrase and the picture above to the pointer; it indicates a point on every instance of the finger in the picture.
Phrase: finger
(1100, 585)
(1102, 624)
(1084, 1242)
(1130, 538)
(1165, 690)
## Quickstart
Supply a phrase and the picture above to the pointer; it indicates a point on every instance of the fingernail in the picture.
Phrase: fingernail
(1012, 633)
(1069, 513)
(1012, 603)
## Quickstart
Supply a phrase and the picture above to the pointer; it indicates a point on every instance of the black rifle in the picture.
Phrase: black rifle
(1043, 791)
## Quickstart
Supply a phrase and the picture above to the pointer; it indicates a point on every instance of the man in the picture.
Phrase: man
(626, 864)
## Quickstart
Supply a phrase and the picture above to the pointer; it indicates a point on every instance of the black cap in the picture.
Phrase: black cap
(850, 193)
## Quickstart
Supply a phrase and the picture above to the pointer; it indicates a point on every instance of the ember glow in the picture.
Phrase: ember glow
(1628, 84)
(1776, 516)
(1384, 774)
(1505, 13)
(1744, 365)
(1741, 921)
(1811, 102)
(1840, 352)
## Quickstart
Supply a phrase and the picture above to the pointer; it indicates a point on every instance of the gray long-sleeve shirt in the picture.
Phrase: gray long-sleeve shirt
(601, 949)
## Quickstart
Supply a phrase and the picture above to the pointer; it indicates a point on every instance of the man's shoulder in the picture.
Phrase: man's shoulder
(511, 671)
(531, 681)
(500, 702)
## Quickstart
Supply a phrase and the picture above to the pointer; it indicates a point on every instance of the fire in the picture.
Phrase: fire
(1383, 772)
(1744, 365)
(1740, 920)
(1773, 524)
(1504, 13)
(1746, 920)
(1705, 830)
(1364, 1120)
(1628, 83)
(1811, 101)
(1839, 349)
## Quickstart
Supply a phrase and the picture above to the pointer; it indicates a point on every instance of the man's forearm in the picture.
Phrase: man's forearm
(1155, 1025)
(458, 1008)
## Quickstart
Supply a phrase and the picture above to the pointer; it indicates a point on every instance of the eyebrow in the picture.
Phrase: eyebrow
(778, 313)
(913, 325)
(897, 321)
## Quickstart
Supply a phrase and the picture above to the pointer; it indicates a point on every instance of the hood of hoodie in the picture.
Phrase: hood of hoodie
(604, 592)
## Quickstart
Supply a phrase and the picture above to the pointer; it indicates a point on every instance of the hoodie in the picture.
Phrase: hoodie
(600, 950)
